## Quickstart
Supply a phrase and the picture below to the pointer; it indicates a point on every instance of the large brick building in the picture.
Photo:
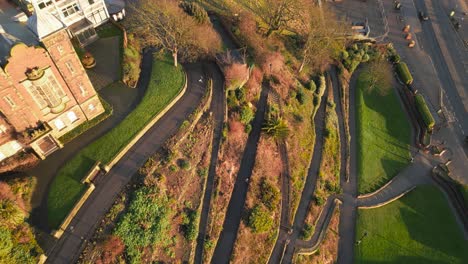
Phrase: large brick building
(44, 90)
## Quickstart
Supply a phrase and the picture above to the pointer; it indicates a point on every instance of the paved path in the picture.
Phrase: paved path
(69, 246)
(418, 173)
(231, 224)
(123, 101)
(286, 242)
(218, 109)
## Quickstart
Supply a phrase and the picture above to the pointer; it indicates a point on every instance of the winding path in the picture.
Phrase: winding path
(285, 244)
(232, 220)
(218, 110)
(70, 245)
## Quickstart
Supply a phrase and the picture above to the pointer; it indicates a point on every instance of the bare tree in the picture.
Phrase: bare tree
(278, 14)
(378, 75)
(324, 38)
(164, 24)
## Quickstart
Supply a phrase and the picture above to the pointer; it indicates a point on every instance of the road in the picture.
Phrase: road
(69, 246)
(439, 65)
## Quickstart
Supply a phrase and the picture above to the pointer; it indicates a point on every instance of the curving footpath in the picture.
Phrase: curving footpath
(68, 248)
(284, 247)
(218, 110)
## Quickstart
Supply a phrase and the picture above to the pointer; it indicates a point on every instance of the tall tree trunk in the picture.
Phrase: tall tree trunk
(303, 61)
(174, 55)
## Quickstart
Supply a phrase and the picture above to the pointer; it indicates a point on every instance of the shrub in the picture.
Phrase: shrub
(260, 220)
(269, 194)
(300, 96)
(319, 200)
(189, 224)
(404, 73)
(202, 172)
(276, 127)
(147, 222)
(311, 86)
(184, 164)
(426, 115)
(307, 231)
(246, 115)
(173, 168)
(316, 100)
(248, 128)
(195, 10)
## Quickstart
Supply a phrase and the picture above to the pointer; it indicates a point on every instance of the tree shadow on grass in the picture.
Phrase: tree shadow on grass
(389, 108)
(430, 229)
(402, 260)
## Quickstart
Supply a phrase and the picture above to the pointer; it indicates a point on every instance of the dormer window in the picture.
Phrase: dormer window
(44, 4)
(70, 10)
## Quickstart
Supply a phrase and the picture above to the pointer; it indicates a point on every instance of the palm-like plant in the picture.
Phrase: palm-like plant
(276, 127)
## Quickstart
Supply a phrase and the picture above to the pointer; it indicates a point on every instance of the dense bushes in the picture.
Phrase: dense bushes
(307, 231)
(17, 242)
(404, 73)
(260, 219)
(146, 222)
(195, 10)
(427, 117)
(269, 194)
(131, 62)
(189, 224)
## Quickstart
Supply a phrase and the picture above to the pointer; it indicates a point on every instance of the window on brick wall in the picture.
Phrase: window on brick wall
(60, 49)
(83, 90)
(72, 116)
(9, 101)
(47, 92)
(3, 129)
(70, 67)
(59, 124)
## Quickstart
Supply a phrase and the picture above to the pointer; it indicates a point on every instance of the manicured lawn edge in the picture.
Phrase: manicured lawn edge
(383, 137)
(166, 83)
(418, 228)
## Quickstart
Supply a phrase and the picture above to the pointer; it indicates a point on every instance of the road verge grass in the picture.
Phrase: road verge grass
(418, 228)
(165, 83)
(383, 135)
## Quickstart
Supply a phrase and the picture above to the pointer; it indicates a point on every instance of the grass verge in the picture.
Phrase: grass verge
(383, 136)
(418, 228)
(166, 82)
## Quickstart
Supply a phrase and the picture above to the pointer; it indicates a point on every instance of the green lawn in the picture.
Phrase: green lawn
(418, 228)
(166, 82)
(383, 136)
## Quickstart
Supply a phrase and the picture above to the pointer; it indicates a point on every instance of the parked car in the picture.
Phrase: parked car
(422, 16)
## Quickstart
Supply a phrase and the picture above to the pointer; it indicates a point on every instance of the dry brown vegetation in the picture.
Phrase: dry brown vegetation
(229, 159)
(18, 162)
(182, 176)
(328, 250)
(252, 247)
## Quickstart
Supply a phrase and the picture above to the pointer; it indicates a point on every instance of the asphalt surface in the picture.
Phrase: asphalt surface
(307, 192)
(232, 220)
(218, 110)
(69, 246)
(347, 224)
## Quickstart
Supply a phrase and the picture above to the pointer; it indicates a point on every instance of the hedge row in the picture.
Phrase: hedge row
(404, 73)
(424, 111)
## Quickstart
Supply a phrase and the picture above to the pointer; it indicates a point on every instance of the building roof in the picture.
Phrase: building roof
(43, 23)
(115, 6)
(12, 31)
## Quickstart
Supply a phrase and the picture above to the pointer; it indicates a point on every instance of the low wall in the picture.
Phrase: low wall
(58, 233)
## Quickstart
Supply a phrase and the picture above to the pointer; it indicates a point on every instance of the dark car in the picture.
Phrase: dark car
(423, 16)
